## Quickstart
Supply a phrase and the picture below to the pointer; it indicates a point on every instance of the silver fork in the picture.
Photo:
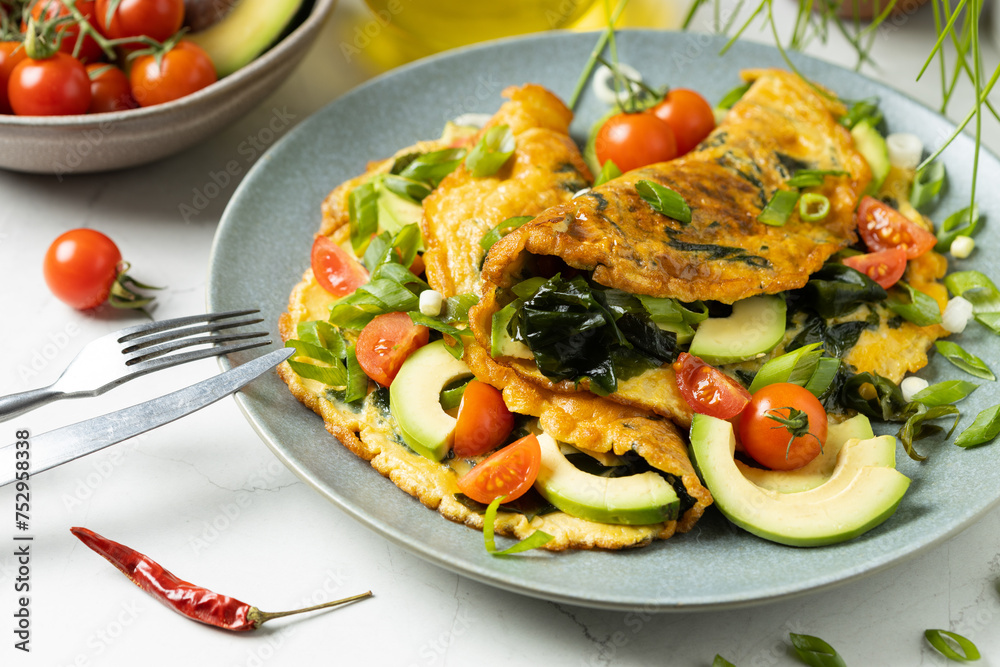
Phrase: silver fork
(118, 357)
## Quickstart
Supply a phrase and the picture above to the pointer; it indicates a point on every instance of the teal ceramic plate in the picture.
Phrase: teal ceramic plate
(263, 245)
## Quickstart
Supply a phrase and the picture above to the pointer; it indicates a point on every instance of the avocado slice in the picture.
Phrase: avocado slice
(501, 344)
(821, 468)
(415, 399)
(394, 212)
(755, 328)
(872, 146)
(856, 498)
(245, 32)
(640, 499)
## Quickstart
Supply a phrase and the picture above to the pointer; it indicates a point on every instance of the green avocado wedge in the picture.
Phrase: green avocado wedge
(245, 32)
(636, 500)
(856, 498)
(755, 327)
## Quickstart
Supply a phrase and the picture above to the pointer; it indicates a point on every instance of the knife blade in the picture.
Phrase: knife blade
(62, 445)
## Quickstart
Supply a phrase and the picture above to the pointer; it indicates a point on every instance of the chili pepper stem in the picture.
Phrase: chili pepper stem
(258, 617)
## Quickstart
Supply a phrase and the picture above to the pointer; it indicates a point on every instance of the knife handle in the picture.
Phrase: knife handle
(17, 404)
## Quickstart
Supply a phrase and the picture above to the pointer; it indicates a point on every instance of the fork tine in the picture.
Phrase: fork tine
(138, 330)
(193, 355)
(173, 334)
(147, 353)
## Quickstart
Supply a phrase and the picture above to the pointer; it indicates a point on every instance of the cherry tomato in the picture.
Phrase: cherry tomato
(633, 140)
(777, 446)
(56, 86)
(688, 115)
(80, 267)
(184, 69)
(385, 343)
(885, 267)
(510, 472)
(883, 227)
(11, 53)
(335, 269)
(47, 10)
(109, 89)
(708, 390)
(158, 19)
(483, 420)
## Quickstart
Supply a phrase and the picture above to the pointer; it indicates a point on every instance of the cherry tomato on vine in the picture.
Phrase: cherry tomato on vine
(158, 19)
(335, 269)
(688, 115)
(883, 227)
(708, 390)
(81, 266)
(510, 472)
(633, 140)
(109, 89)
(385, 343)
(55, 86)
(885, 267)
(184, 69)
(483, 420)
(793, 441)
(48, 10)
(11, 53)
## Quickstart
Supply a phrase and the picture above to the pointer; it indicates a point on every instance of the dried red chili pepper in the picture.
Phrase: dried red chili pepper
(183, 597)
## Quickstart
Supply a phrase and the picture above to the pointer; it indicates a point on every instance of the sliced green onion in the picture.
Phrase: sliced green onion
(813, 206)
(456, 308)
(913, 305)
(609, 171)
(411, 190)
(864, 110)
(324, 335)
(493, 150)
(959, 223)
(664, 200)
(329, 375)
(362, 211)
(501, 230)
(780, 208)
(733, 96)
(663, 310)
(916, 427)
(527, 288)
(928, 183)
(984, 428)
(823, 377)
(434, 166)
(943, 393)
(357, 380)
(796, 367)
(452, 396)
(942, 641)
(719, 661)
(456, 334)
(815, 652)
(981, 292)
(811, 178)
(533, 541)
(968, 362)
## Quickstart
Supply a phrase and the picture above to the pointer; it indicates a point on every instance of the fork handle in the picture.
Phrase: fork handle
(17, 404)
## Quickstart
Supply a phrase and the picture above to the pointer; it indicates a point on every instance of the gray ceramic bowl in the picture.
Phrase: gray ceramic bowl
(102, 142)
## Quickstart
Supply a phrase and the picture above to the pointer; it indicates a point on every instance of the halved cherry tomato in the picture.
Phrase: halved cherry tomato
(483, 420)
(633, 140)
(510, 472)
(182, 70)
(90, 50)
(109, 89)
(885, 267)
(779, 446)
(385, 343)
(11, 53)
(80, 267)
(335, 269)
(708, 390)
(158, 19)
(883, 227)
(55, 86)
(688, 114)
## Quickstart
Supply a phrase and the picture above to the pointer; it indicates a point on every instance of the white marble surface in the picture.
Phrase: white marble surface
(207, 498)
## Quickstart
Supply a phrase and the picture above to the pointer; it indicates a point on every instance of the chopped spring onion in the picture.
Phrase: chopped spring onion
(864, 110)
(434, 166)
(958, 224)
(431, 302)
(780, 208)
(916, 427)
(796, 367)
(962, 247)
(321, 342)
(956, 315)
(905, 150)
(604, 88)
(913, 305)
(980, 292)
(824, 375)
(928, 183)
(477, 120)
(409, 189)
(912, 386)
(813, 206)
(452, 396)
(943, 393)
(815, 652)
(664, 200)
(609, 171)
(984, 428)
(362, 211)
(733, 96)
(357, 380)
(493, 150)
(671, 311)
(811, 178)
(969, 363)
(501, 230)
(456, 350)
(719, 661)
(946, 642)
(533, 541)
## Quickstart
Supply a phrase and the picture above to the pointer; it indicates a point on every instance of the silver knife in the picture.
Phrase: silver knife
(54, 448)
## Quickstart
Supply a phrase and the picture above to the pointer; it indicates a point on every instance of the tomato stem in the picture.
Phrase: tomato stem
(796, 423)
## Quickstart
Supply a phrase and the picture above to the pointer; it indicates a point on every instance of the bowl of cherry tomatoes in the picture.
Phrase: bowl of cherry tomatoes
(97, 85)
